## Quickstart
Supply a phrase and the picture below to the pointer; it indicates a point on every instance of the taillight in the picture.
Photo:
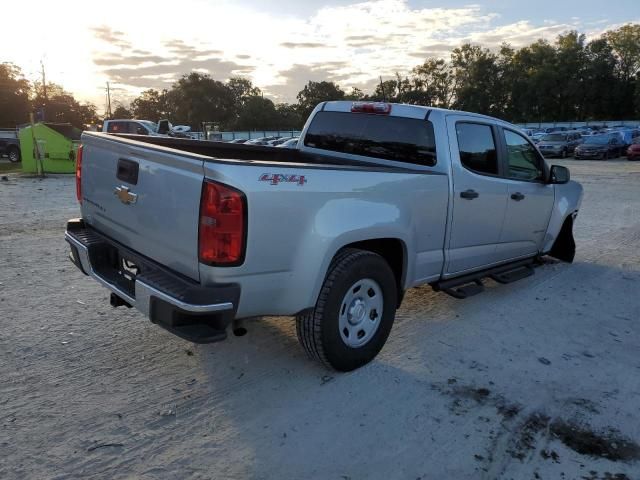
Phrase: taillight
(379, 108)
(79, 174)
(222, 229)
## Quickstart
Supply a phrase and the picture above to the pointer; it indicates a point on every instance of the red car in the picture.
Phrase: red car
(633, 152)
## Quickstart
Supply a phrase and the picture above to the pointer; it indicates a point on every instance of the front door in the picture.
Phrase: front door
(479, 194)
(530, 199)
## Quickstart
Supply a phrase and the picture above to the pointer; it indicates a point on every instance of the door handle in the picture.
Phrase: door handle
(517, 196)
(469, 194)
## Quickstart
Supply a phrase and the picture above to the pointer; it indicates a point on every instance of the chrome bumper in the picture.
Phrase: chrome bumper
(143, 291)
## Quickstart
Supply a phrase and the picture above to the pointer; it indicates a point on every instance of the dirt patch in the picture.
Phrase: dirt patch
(528, 434)
(610, 444)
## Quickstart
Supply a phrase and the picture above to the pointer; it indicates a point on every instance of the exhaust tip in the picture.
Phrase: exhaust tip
(239, 331)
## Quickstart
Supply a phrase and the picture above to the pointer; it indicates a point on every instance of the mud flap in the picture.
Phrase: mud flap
(564, 248)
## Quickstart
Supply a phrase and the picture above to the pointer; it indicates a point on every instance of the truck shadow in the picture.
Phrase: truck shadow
(290, 415)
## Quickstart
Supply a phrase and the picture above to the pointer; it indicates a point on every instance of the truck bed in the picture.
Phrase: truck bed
(253, 153)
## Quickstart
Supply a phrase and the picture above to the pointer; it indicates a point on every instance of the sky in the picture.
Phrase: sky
(278, 45)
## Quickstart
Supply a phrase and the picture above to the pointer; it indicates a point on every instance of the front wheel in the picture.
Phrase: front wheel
(14, 155)
(354, 313)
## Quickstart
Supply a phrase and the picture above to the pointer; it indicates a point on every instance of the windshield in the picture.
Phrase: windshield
(150, 125)
(597, 140)
(554, 137)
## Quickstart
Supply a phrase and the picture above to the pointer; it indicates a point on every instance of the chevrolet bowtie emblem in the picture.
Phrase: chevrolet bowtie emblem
(125, 196)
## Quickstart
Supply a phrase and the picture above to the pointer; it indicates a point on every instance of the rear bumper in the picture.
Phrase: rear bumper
(180, 305)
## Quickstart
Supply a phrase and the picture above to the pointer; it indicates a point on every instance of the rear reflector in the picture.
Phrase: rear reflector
(222, 229)
(79, 173)
(378, 108)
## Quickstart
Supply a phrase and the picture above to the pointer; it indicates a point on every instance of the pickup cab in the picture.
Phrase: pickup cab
(377, 198)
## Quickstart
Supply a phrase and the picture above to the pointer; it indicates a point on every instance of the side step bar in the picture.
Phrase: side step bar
(471, 284)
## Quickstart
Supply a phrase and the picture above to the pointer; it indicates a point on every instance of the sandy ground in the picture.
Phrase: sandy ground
(537, 379)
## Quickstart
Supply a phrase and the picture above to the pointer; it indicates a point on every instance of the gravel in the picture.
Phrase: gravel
(536, 379)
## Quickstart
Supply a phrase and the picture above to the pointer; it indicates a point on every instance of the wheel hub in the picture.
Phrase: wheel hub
(360, 310)
(357, 311)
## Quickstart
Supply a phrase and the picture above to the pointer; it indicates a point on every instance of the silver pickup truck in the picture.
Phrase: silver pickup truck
(376, 199)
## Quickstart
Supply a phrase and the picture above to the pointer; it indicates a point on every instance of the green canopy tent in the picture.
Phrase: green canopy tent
(57, 143)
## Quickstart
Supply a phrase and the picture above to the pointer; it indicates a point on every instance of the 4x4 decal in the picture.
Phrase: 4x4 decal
(276, 178)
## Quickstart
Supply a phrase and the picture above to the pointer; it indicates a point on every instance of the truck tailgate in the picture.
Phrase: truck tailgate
(146, 199)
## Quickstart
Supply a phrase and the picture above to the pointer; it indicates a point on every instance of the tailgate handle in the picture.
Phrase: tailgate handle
(127, 171)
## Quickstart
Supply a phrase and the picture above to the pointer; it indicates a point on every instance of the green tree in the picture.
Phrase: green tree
(434, 83)
(477, 80)
(121, 111)
(150, 105)
(61, 107)
(242, 89)
(257, 113)
(317, 92)
(14, 96)
(197, 98)
(289, 117)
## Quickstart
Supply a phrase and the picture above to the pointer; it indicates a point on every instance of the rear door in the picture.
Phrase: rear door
(146, 198)
(530, 199)
(479, 194)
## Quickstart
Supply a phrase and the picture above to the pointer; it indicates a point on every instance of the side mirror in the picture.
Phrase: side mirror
(559, 174)
(164, 127)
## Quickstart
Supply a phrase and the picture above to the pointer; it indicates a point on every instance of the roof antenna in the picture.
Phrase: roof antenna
(384, 95)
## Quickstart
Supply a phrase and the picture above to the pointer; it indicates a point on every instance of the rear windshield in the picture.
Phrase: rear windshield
(379, 136)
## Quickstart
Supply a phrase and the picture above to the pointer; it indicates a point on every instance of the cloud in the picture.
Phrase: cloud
(351, 44)
(302, 45)
(168, 70)
(113, 37)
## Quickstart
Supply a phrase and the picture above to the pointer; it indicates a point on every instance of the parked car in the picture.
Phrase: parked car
(559, 144)
(290, 143)
(537, 136)
(238, 140)
(633, 152)
(599, 147)
(136, 127)
(333, 232)
(261, 141)
(278, 141)
(10, 146)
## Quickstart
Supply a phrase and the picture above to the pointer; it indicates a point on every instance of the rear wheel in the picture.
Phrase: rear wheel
(14, 155)
(354, 312)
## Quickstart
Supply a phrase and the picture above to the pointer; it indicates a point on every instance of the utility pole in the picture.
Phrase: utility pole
(44, 92)
(108, 101)
(44, 82)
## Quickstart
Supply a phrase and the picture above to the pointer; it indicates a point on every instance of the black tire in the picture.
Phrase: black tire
(318, 329)
(14, 155)
(563, 154)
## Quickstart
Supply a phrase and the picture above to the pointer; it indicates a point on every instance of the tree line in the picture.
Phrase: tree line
(569, 79)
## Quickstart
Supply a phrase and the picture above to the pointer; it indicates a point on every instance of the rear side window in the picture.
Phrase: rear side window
(477, 148)
(118, 127)
(379, 136)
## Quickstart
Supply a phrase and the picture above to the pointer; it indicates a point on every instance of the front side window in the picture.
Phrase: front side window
(379, 136)
(523, 160)
(477, 148)
(136, 128)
